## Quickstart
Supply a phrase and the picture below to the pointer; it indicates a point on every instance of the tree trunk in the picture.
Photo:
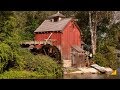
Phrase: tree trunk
(116, 17)
(94, 32)
(93, 28)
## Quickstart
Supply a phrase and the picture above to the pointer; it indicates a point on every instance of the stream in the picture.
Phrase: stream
(92, 76)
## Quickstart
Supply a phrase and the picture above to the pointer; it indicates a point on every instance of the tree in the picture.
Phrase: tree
(93, 27)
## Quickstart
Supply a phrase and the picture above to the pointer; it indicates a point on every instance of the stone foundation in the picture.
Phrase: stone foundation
(67, 63)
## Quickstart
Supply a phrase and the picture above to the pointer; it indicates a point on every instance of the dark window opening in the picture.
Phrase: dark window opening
(56, 19)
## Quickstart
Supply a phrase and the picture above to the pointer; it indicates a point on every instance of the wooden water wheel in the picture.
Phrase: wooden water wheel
(51, 51)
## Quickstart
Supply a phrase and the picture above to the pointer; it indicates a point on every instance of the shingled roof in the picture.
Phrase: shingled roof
(47, 25)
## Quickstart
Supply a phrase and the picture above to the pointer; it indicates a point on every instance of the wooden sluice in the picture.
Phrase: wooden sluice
(44, 42)
(36, 42)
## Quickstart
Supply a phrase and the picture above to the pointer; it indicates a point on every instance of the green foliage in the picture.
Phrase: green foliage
(6, 54)
(107, 57)
(12, 74)
(107, 45)
(42, 64)
(83, 22)
(15, 27)
(24, 60)
(99, 59)
(4, 17)
(13, 42)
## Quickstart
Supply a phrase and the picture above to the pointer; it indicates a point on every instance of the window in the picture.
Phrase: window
(56, 19)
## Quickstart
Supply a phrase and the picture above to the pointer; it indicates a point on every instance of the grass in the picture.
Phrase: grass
(23, 75)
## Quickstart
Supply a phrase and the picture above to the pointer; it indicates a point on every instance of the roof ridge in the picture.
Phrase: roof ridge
(53, 26)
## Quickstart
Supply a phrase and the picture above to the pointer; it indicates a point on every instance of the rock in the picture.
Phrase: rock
(99, 68)
(78, 72)
(93, 71)
(67, 63)
(88, 70)
(85, 70)
(108, 70)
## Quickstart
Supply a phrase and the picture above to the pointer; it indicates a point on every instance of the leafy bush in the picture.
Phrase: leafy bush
(111, 57)
(43, 65)
(24, 60)
(99, 59)
(36, 63)
(107, 57)
(6, 54)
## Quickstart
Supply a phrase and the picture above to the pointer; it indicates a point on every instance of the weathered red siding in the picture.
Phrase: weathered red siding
(70, 37)
(64, 41)
(42, 36)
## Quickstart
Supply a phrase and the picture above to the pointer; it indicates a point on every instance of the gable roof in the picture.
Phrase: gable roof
(57, 14)
(47, 25)
(77, 48)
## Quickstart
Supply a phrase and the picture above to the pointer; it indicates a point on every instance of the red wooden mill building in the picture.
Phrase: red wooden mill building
(66, 37)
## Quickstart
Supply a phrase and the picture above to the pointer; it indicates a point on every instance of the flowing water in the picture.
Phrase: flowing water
(93, 76)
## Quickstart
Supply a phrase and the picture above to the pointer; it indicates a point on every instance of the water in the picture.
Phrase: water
(93, 76)
(90, 76)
